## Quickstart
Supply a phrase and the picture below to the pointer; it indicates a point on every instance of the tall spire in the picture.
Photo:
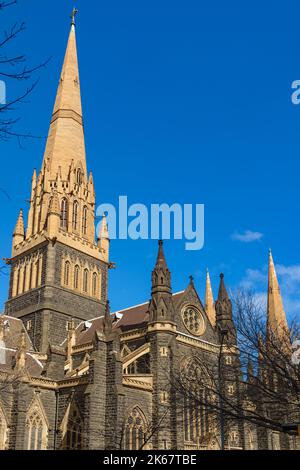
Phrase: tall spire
(66, 137)
(276, 318)
(209, 301)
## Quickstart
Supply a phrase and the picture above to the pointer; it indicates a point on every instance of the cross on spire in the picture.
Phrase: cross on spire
(73, 16)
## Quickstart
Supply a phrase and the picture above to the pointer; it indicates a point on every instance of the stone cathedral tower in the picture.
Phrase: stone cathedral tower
(59, 270)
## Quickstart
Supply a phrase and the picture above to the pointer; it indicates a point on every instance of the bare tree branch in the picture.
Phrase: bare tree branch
(15, 68)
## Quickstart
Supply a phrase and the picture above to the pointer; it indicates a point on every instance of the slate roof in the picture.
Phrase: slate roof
(13, 328)
(130, 318)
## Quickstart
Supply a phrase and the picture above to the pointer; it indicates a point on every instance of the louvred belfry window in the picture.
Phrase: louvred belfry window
(85, 280)
(76, 277)
(75, 215)
(95, 283)
(64, 214)
(84, 220)
(67, 273)
(79, 176)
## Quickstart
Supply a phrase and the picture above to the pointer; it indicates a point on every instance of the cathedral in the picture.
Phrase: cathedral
(73, 374)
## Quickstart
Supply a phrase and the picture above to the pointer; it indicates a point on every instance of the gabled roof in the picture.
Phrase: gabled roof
(13, 328)
(11, 341)
(130, 318)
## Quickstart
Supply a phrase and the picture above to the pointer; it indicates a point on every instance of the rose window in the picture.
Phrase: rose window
(193, 320)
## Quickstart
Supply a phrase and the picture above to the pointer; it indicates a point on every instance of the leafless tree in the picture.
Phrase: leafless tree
(266, 374)
(14, 68)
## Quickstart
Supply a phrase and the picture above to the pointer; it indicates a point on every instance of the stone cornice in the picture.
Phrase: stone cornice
(44, 382)
(198, 343)
(133, 334)
(29, 243)
(142, 382)
(82, 347)
(164, 327)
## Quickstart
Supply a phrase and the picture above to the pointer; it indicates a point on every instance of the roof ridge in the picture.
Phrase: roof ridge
(143, 303)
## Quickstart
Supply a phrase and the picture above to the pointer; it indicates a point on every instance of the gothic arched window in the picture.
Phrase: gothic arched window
(18, 274)
(85, 280)
(64, 214)
(24, 278)
(75, 215)
(196, 382)
(76, 276)
(67, 273)
(135, 431)
(84, 220)
(95, 284)
(194, 420)
(250, 439)
(73, 435)
(37, 274)
(3, 430)
(79, 176)
(233, 440)
(30, 275)
(36, 431)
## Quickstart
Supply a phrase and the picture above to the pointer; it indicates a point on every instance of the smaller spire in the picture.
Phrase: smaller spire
(161, 277)
(107, 324)
(276, 318)
(161, 260)
(71, 341)
(54, 204)
(19, 232)
(53, 222)
(103, 232)
(34, 181)
(21, 353)
(209, 301)
(260, 347)
(103, 239)
(224, 318)
(222, 295)
(19, 229)
(250, 371)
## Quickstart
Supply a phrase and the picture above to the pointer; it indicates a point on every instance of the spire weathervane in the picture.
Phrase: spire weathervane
(73, 16)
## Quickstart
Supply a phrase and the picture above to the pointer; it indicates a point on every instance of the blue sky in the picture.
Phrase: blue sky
(184, 101)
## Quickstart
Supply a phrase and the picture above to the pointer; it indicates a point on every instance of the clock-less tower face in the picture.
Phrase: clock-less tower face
(193, 320)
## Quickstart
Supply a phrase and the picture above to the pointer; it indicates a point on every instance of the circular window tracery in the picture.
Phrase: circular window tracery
(193, 320)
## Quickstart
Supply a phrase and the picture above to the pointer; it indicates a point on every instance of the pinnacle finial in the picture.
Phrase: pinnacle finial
(73, 16)
(222, 289)
(209, 301)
